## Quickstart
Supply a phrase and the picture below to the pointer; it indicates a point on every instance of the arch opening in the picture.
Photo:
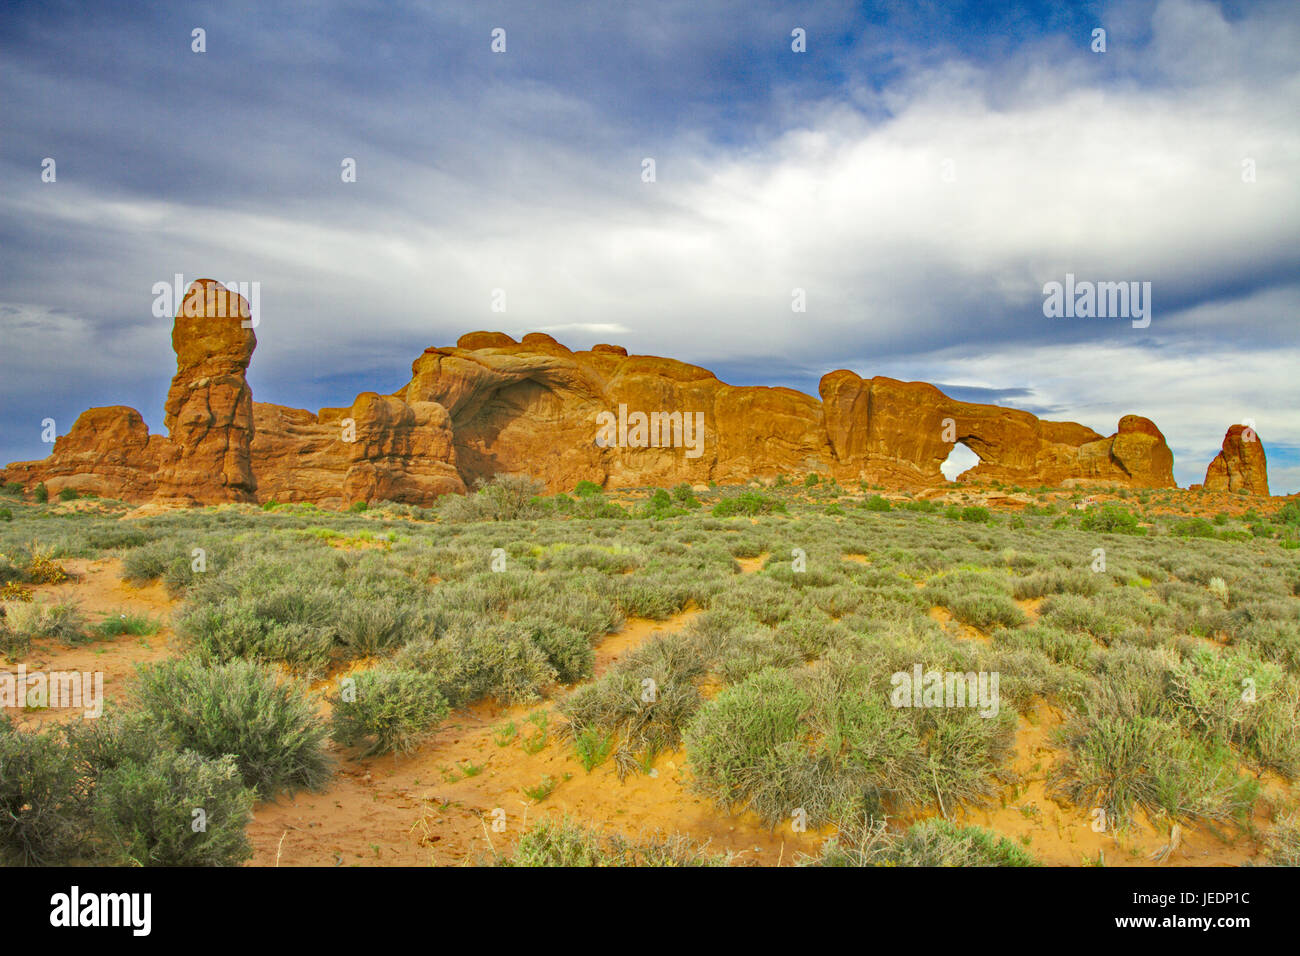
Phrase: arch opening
(959, 460)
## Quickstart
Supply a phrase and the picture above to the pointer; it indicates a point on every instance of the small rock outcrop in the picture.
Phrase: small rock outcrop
(1240, 464)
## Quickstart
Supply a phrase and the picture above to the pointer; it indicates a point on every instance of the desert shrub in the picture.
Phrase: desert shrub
(741, 742)
(106, 537)
(1061, 647)
(923, 506)
(42, 819)
(986, 611)
(11, 571)
(1109, 518)
(6, 514)
(504, 498)
(41, 493)
(647, 598)
(876, 503)
(684, 495)
(492, 660)
(566, 842)
(1073, 612)
(68, 494)
(233, 630)
(1127, 763)
(1272, 640)
(1132, 682)
(389, 709)
(174, 563)
(976, 598)
(13, 643)
(1282, 842)
(749, 503)
(644, 701)
(368, 626)
(29, 622)
(607, 560)
(867, 842)
(12, 488)
(144, 811)
(660, 505)
(586, 489)
(1057, 581)
(147, 562)
(1231, 698)
(567, 649)
(1193, 528)
(976, 513)
(829, 741)
(240, 708)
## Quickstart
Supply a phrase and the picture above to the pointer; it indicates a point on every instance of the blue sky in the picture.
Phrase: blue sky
(921, 171)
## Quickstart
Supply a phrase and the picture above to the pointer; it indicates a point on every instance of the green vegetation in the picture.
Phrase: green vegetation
(1171, 645)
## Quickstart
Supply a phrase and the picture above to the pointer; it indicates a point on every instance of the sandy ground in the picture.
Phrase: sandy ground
(96, 586)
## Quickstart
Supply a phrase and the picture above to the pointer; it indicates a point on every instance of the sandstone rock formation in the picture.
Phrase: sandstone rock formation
(209, 407)
(1240, 464)
(381, 448)
(108, 452)
(491, 404)
(895, 432)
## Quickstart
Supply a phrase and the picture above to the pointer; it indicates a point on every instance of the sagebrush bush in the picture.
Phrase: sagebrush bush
(487, 660)
(240, 708)
(749, 503)
(644, 702)
(387, 709)
(1109, 518)
(1149, 763)
(234, 630)
(27, 622)
(42, 810)
(566, 842)
(144, 812)
(867, 842)
(504, 498)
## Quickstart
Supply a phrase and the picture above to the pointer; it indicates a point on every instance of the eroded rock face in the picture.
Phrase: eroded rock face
(891, 432)
(491, 404)
(108, 452)
(1239, 465)
(209, 407)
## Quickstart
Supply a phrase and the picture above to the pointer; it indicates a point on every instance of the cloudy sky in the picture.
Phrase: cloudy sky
(921, 171)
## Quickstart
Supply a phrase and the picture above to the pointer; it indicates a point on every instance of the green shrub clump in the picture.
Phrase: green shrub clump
(387, 709)
(240, 708)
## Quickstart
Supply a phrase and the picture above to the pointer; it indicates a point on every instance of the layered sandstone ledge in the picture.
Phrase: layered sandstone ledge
(491, 404)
